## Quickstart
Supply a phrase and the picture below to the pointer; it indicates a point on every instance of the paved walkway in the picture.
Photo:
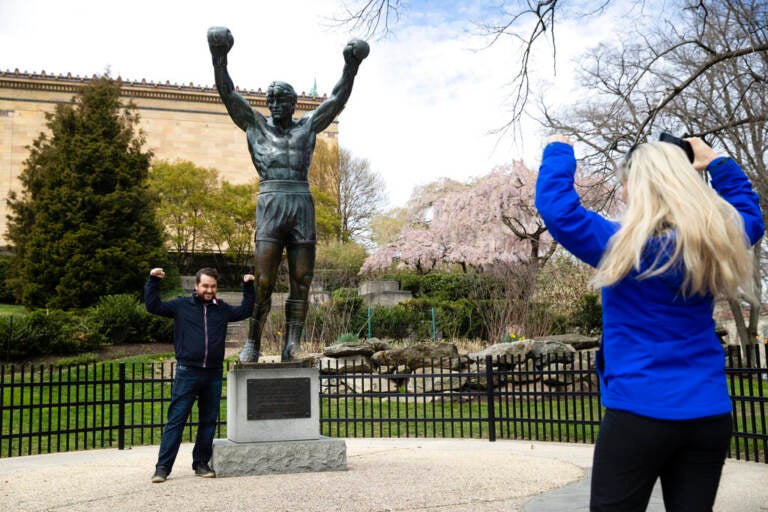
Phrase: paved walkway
(384, 475)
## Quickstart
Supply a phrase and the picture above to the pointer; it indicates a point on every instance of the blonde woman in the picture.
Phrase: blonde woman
(680, 244)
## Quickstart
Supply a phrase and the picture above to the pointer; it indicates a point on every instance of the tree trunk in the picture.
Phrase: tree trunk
(741, 327)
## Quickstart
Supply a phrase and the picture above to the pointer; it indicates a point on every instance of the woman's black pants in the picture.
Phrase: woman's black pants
(633, 451)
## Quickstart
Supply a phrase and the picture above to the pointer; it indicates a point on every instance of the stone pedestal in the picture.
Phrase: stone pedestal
(244, 459)
(273, 402)
(273, 423)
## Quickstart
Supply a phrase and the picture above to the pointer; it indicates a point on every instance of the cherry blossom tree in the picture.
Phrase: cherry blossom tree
(488, 225)
(488, 222)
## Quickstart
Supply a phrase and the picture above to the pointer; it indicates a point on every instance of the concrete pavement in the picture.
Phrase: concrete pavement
(384, 475)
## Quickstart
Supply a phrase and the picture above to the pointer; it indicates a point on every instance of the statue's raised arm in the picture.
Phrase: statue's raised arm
(354, 53)
(220, 41)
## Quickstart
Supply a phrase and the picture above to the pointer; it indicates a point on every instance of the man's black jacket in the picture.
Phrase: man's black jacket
(199, 329)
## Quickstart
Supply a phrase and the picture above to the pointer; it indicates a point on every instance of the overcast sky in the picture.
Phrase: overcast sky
(424, 104)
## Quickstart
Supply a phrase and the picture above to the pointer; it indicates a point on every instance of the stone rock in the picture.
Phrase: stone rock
(548, 352)
(343, 365)
(584, 362)
(557, 375)
(378, 344)
(382, 362)
(393, 372)
(577, 341)
(350, 348)
(445, 355)
(424, 382)
(477, 376)
(370, 384)
(531, 390)
(385, 368)
(525, 372)
(505, 351)
(330, 387)
(589, 386)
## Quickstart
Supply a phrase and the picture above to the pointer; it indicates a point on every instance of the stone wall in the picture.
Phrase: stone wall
(383, 292)
(549, 363)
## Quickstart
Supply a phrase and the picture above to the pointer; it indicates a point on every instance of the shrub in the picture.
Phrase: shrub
(114, 319)
(43, 332)
(398, 322)
(123, 319)
(117, 318)
(453, 318)
(347, 337)
(58, 332)
(346, 300)
(444, 286)
(588, 317)
(13, 335)
(157, 328)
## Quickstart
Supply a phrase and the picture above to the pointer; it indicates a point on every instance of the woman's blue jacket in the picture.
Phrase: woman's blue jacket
(660, 356)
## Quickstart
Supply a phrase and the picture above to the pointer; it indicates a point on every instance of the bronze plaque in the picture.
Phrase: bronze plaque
(278, 399)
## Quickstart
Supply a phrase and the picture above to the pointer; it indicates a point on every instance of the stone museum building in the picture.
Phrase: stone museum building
(180, 122)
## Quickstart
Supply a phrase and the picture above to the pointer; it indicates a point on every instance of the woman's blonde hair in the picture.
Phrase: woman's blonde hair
(665, 194)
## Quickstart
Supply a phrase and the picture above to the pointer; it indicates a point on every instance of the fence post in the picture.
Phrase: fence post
(434, 327)
(121, 406)
(489, 398)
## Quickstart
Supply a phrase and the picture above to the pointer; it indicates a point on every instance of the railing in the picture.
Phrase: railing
(492, 399)
(46, 409)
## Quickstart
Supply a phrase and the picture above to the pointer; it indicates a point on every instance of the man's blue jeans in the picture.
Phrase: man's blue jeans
(189, 384)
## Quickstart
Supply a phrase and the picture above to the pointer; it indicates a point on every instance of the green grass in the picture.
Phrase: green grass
(85, 358)
(543, 420)
(163, 357)
(749, 393)
(12, 309)
(748, 386)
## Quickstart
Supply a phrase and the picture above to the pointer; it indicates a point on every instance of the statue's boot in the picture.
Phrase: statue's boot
(252, 347)
(295, 314)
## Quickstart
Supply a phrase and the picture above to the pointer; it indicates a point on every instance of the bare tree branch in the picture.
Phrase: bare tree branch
(717, 58)
(375, 18)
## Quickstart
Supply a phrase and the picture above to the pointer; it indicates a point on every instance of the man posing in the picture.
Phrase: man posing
(199, 332)
(281, 149)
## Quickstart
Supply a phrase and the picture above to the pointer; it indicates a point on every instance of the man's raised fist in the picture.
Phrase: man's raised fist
(157, 272)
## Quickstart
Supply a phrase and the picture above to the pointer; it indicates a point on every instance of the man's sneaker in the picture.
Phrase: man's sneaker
(204, 470)
(160, 475)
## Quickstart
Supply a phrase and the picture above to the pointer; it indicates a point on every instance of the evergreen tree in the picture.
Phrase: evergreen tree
(84, 224)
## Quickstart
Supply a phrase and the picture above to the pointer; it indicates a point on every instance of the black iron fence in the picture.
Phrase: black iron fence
(48, 409)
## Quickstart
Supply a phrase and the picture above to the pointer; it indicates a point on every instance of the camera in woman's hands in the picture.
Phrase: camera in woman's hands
(677, 141)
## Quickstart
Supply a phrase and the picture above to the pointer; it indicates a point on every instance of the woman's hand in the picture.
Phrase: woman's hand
(703, 154)
(558, 137)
